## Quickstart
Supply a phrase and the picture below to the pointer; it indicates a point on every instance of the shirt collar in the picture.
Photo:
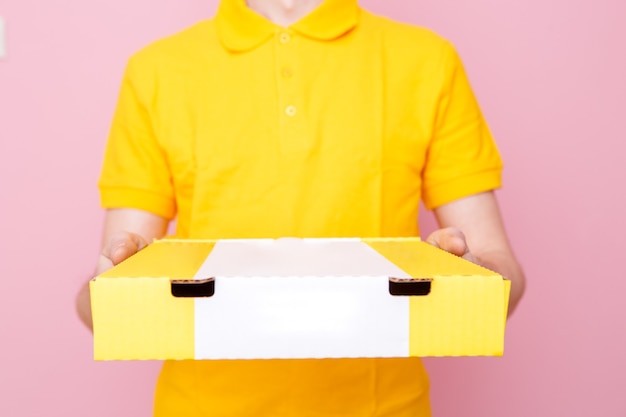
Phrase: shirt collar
(241, 28)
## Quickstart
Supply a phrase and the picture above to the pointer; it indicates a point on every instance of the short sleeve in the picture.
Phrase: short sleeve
(462, 158)
(135, 172)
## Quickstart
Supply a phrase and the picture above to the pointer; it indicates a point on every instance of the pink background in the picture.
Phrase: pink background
(551, 79)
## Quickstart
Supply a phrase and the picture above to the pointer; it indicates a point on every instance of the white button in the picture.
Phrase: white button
(291, 111)
(284, 37)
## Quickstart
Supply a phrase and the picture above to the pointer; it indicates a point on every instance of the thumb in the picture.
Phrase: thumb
(451, 240)
(122, 246)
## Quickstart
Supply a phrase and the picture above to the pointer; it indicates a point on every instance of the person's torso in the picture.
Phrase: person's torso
(296, 138)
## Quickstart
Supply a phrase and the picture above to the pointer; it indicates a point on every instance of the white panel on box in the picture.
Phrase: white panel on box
(301, 317)
(300, 298)
(294, 257)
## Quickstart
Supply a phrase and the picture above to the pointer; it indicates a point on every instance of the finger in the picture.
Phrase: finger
(123, 245)
(104, 264)
(451, 240)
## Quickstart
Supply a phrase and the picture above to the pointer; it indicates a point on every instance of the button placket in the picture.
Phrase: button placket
(290, 117)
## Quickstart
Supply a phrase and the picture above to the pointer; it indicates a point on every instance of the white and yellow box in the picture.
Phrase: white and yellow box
(297, 298)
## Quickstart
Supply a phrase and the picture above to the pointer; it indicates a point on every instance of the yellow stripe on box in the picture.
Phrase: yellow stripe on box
(461, 293)
(422, 260)
(162, 325)
(141, 287)
(176, 259)
(468, 308)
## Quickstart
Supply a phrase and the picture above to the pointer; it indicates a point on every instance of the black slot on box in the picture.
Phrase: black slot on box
(193, 288)
(410, 286)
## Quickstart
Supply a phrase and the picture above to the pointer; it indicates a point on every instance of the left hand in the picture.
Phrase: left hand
(451, 240)
(483, 240)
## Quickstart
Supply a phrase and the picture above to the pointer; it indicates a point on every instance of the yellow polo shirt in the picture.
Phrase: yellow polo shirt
(335, 126)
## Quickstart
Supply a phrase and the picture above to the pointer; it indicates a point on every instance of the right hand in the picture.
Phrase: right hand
(126, 232)
(117, 248)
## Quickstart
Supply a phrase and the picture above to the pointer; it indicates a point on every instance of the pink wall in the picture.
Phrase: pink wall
(550, 77)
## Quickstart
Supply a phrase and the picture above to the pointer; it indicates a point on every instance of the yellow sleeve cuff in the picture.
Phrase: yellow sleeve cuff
(464, 186)
(120, 197)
